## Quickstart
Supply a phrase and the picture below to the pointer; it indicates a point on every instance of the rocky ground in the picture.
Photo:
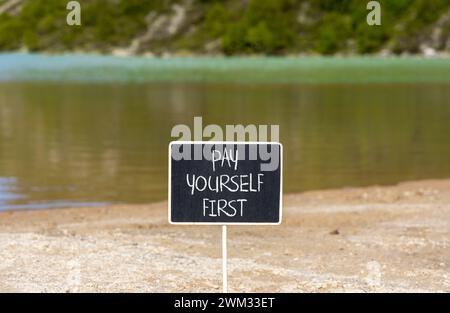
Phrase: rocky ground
(376, 239)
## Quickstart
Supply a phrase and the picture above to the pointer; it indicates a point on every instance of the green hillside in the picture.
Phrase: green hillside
(226, 27)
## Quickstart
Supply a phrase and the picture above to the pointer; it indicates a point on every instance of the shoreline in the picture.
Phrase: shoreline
(393, 238)
(118, 52)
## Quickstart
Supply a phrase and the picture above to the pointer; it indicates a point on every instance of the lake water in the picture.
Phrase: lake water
(69, 143)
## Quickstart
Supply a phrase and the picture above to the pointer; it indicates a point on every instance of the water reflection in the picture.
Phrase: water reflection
(7, 193)
(10, 199)
(72, 144)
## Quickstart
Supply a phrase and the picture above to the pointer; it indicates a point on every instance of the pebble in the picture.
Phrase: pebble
(335, 232)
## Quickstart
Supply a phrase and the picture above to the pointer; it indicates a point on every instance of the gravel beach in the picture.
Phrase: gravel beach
(371, 239)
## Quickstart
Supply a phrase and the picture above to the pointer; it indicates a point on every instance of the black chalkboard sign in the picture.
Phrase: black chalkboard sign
(225, 182)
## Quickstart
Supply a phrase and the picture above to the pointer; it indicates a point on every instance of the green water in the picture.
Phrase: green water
(71, 143)
(236, 70)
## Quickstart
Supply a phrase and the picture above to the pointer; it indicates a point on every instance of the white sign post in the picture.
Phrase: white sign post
(224, 259)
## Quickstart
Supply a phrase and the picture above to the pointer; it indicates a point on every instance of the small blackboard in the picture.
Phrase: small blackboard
(225, 182)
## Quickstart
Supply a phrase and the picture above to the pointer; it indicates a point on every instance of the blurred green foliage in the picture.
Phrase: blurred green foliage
(41, 24)
(243, 27)
(266, 26)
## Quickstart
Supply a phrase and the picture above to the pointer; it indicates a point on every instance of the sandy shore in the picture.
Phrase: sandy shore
(359, 239)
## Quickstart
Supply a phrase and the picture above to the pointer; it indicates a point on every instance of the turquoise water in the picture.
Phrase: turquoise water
(311, 70)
